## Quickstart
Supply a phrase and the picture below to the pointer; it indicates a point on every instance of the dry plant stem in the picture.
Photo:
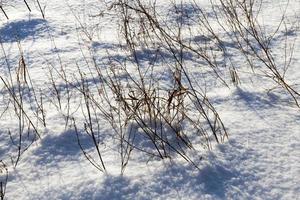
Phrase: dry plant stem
(54, 88)
(41, 10)
(23, 75)
(242, 20)
(143, 124)
(158, 112)
(143, 102)
(64, 109)
(20, 106)
(89, 124)
(4, 12)
(27, 5)
(87, 156)
(17, 91)
(170, 39)
(3, 182)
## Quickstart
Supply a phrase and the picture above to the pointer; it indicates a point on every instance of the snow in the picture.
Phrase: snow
(260, 160)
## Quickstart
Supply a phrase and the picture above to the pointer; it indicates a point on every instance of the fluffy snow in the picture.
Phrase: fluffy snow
(260, 160)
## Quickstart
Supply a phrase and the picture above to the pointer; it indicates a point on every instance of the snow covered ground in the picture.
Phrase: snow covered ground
(260, 160)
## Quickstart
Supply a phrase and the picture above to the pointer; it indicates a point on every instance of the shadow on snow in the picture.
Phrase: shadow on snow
(22, 29)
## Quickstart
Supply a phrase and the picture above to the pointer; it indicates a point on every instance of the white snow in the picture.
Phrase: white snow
(260, 160)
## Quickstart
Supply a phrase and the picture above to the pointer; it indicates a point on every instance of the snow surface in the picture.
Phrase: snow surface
(261, 159)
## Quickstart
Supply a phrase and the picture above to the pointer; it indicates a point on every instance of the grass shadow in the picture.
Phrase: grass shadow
(22, 29)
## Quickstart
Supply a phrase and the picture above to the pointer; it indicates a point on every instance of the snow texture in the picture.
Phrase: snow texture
(260, 160)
